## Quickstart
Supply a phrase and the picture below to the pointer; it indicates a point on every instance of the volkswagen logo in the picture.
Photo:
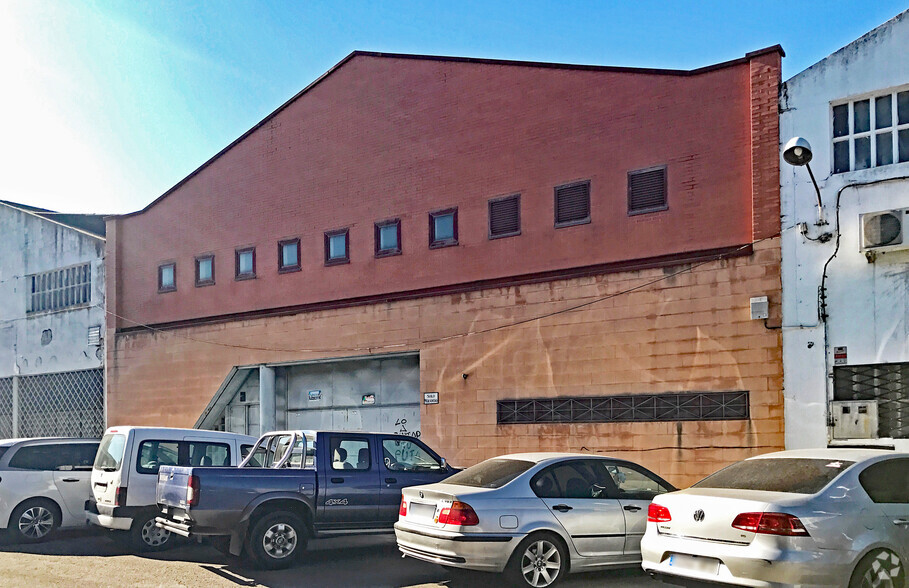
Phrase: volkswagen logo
(698, 515)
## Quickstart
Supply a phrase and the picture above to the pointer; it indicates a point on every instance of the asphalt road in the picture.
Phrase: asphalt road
(90, 558)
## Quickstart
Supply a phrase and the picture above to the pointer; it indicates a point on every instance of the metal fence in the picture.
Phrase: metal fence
(66, 404)
(888, 383)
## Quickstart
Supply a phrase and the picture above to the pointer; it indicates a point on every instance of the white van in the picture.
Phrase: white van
(125, 474)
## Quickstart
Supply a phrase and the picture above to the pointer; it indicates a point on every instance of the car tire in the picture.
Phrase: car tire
(540, 561)
(880, 568)
(277, 540)
(145, 536)
(33, 521)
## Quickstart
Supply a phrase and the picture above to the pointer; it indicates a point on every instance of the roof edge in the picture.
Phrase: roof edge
(52, 221)
(476, 60)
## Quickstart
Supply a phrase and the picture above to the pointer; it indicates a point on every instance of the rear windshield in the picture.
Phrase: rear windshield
(110, 453)
(492, 473)
(794, 475)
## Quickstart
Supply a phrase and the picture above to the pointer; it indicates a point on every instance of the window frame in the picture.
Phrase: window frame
(337, 260)
(161, 287)
(555, 203)
(396, 222)
(873, 130)
(286, 269)
(198, 261)
(238, 276)
(435, 243)
(63, 288)
(652, 209)
(517, 197)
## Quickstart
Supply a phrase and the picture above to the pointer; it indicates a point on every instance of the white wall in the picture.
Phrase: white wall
(868, 304)
(29, 245)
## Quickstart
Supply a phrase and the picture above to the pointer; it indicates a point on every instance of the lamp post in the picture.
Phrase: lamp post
(797, 151)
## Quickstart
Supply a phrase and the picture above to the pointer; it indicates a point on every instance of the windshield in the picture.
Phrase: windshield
(110, 453)
(492, 473)
(794, 475)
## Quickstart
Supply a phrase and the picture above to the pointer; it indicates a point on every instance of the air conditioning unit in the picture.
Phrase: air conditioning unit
(854, 419)
(884, 230)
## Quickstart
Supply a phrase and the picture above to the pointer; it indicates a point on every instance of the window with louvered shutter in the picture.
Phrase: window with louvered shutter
(647, 190)
(505, 216)
(572, 204)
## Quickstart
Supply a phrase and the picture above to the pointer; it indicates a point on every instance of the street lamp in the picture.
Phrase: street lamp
(797, 151)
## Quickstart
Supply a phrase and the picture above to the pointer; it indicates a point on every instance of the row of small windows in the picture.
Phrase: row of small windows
(646, 193)
(871, 132)
(59, 289)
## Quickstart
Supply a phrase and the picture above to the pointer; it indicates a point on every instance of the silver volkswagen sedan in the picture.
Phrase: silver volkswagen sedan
(823, 517)
(533, 516)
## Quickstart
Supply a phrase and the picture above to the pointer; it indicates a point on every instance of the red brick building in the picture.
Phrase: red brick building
(409, 225)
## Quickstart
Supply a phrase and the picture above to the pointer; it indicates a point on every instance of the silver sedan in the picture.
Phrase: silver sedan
(533, 516)
(824, 517)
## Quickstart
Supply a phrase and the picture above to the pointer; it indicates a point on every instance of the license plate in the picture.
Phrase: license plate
(704, 565)
(422, 510)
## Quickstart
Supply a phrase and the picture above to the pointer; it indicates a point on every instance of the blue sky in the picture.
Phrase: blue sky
(106, 105)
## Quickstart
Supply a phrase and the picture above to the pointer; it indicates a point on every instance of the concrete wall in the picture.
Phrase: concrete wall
(29, 245)
(868, 303)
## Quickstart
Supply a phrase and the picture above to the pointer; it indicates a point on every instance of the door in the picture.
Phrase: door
(635, 489)
(143, 478)
(72, 475)
(350, 483)
(405, 462)
(580, 500)
(887, 483)
(110, 468)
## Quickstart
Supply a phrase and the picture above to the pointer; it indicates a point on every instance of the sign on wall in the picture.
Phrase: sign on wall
(839, 356)
(430, 397)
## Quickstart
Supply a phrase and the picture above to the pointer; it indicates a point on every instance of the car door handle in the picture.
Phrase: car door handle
(70, 479)
(901, 522)
(561, 507)
(337, 480)
(632, 508)
(391, 480)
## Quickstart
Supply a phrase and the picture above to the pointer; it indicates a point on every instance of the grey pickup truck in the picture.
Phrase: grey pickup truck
(293, 486)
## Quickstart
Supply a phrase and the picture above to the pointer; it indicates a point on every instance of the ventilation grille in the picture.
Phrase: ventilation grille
(888, 383)
(505, 216)
(647, 190)
(684, 406)
(572, 204)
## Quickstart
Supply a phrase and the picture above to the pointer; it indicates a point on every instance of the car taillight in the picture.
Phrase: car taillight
(403, 510)
(192, 491)
(459, 513)
(120, 496)
(770, 523)
(658, 514)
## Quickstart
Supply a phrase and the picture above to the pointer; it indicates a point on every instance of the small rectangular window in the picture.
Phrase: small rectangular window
(863, 152)
(505, 216)
(882, 112)
(884, 148)
(337, 247)
(167, 277)
(443, 228)
(572, 204)
(902, 107)
(289, 255)
(647, 190)
(245, 263)
(154, 454)
(58, 289)
(205, 270)
(841, 120)
(861, 116)
(388, 237)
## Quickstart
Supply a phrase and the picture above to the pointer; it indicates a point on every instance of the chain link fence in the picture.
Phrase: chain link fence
(67, 404)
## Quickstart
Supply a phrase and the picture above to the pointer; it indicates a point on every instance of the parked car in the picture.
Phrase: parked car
(125, 473)
(296, 485)
(533, 516)
(824, 517)
(43, 484)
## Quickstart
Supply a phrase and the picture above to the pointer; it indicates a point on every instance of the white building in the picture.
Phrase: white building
(51, 322)
(846, 283)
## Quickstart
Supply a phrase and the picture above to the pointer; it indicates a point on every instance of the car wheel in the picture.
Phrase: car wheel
(539, 561)
(33, 521)
(146, 536)
(277, 540)
(879, 569)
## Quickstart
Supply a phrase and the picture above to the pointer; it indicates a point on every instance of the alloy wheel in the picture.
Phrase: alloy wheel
(884, 571)
(36, 522)
(279, 540)
(541, 563)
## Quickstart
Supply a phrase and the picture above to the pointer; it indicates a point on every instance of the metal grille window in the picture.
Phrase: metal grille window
(59, 289)
(505, 216)
(683, 406)
(572, 204)
(67, 404)
(888, 383)
(647, 190)
(871, 132)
